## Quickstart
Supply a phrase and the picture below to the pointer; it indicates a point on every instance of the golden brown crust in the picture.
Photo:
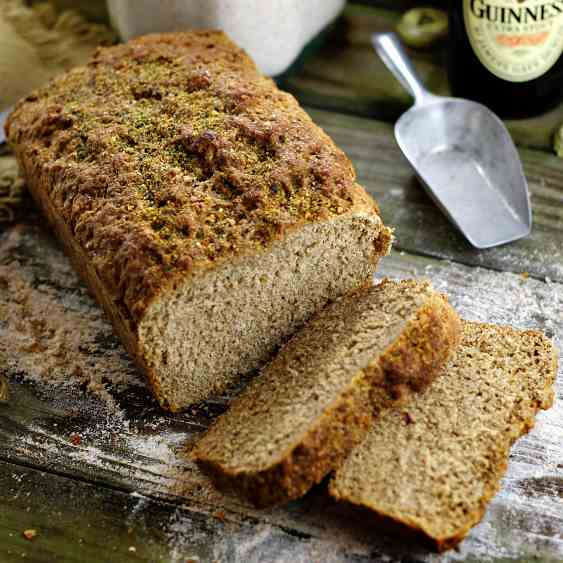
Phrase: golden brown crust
(118, 317)
(347, 421)
(415, 358)
(171, 154)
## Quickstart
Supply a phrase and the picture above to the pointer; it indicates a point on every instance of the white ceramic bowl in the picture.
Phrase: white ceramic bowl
(273, 32)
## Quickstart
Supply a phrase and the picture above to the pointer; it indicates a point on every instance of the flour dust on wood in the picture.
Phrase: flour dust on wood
(79, 407)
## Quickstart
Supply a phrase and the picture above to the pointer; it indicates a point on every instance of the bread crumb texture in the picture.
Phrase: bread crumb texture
(432, 465)
(172, 153)
(315, 401)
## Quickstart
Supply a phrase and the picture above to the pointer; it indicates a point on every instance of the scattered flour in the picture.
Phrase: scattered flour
(51, 330)
(53, 334)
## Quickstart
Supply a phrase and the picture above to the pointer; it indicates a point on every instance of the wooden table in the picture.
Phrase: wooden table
(100, 474)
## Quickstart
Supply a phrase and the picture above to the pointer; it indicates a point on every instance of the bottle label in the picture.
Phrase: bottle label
(516, 40)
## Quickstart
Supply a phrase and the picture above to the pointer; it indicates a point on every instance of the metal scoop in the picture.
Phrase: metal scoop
(463, 155)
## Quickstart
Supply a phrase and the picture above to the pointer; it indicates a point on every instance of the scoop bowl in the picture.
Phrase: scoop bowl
(464, 157)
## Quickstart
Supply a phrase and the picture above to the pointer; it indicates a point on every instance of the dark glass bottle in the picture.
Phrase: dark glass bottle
(507, 54)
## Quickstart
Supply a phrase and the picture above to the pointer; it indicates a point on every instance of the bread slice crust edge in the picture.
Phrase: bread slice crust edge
(436, 329)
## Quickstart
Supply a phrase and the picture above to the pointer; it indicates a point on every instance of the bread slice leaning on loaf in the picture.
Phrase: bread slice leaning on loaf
(314, 401)
(431, 466)
(207, 212)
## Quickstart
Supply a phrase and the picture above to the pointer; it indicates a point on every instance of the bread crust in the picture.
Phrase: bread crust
(122, 323)
(170, 155)
(416, 357)
(345, 423)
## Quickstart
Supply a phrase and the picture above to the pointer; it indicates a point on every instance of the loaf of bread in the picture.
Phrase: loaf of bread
(208, 214)
(431, 466)
(314, 402)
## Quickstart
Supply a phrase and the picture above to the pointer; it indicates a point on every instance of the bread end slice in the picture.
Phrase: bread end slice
(430, 467)
(316, 400)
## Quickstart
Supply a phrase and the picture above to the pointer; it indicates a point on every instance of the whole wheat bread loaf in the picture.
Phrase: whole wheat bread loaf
(430, 466)
(314, 401)
(207, 212)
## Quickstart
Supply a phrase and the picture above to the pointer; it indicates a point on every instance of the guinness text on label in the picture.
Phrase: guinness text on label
(519, 14)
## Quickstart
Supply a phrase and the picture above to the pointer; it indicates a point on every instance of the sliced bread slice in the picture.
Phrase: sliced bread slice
(431, 466)
(314, 402)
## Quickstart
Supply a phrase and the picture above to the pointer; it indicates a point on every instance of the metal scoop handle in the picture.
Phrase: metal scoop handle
(389, 48)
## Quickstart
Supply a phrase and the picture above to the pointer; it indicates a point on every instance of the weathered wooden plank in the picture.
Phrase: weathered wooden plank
(81, 522)
(120, 439)
(346, 75)
(76, 521)
(420, 225)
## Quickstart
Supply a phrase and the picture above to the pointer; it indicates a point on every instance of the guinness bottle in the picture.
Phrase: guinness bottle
(507, 54)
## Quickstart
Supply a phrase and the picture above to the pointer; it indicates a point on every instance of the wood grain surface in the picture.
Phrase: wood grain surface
(129, 454)
(421, 228)
(92, 465)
